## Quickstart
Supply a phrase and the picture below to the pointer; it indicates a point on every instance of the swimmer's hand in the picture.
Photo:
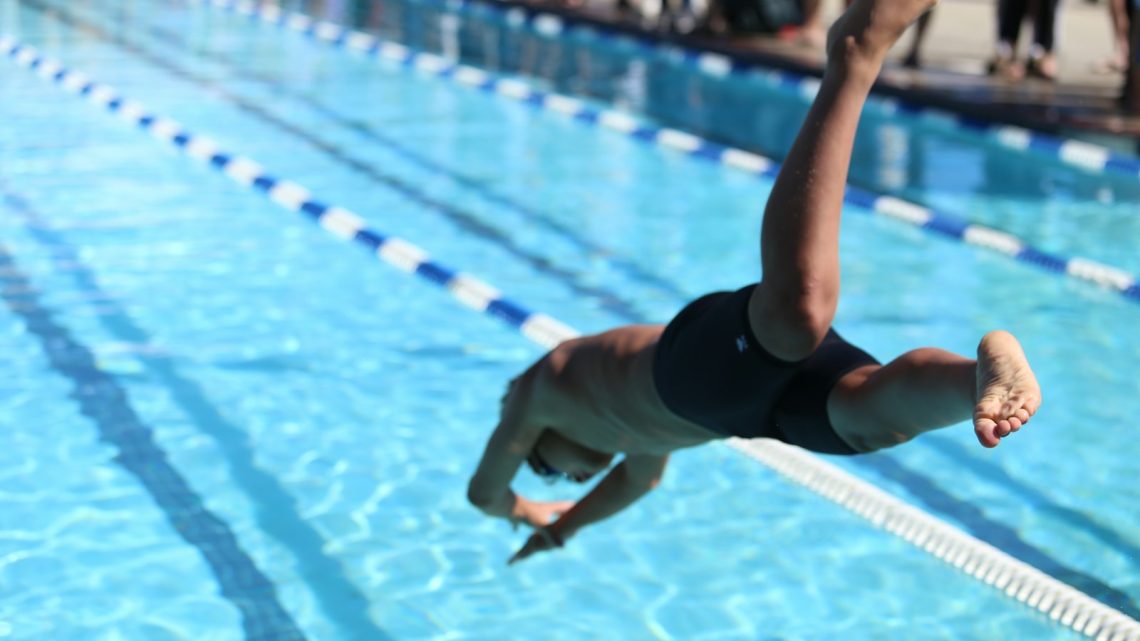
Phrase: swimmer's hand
(543, 539)
(537, 514)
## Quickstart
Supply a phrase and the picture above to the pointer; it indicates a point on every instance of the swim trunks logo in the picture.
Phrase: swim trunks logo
(741, 343)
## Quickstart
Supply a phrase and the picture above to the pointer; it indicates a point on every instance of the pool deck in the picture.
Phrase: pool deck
(1083, 103)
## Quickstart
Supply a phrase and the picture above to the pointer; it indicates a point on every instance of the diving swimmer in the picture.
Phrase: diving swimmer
(759, 362)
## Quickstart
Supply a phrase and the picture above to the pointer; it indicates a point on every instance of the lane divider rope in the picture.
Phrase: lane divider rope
(1059, 601)
(1083, 155)
(941, 223)
(1086, 156)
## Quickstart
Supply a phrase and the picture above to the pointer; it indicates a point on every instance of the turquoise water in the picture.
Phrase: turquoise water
(315, 414)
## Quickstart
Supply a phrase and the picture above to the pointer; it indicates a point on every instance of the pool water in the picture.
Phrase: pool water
(227, 424)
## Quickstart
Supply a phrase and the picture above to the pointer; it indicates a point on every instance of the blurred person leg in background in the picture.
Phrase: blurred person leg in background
(1120, 12)
(1010, 15)
(913, 59)
(1130, 92)
(1042, 63)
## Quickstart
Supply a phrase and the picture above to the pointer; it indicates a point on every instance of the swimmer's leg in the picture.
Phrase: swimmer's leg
(875, 407)
(792, 308)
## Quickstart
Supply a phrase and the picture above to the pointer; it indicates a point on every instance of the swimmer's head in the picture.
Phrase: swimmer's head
(555, 458)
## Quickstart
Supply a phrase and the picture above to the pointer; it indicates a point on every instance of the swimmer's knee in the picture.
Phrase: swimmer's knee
(859, 416)
(873, 435)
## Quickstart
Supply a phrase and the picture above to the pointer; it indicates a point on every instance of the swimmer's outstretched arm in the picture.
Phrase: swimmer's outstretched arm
(519, 428)
(627, 482)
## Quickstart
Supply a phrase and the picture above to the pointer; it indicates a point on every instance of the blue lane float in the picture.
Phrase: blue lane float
(1021, 581)
(943, 224)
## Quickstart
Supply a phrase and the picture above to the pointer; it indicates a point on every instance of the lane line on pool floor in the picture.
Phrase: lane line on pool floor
(277, 513)
(1061, 602)
(106, 404)
(928, 219)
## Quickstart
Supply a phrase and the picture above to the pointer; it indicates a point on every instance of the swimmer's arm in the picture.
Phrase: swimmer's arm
(627, 482)
(510, 443)
(490, 486)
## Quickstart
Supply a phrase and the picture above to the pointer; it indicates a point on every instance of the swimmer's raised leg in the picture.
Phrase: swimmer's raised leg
(876, 407)
(793, 306)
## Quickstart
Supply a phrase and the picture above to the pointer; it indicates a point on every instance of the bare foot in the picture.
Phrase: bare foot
(1008, 394)
(1116, 63)
(870, 27)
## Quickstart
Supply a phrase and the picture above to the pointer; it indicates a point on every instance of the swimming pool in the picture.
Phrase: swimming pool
(302, 421)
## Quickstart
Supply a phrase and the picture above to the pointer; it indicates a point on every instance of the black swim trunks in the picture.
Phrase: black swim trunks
(711, 370)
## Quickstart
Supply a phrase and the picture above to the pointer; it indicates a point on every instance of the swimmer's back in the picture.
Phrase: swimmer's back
(608, 399)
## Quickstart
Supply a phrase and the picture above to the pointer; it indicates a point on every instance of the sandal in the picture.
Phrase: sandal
(1043, 67)
(1004, 66)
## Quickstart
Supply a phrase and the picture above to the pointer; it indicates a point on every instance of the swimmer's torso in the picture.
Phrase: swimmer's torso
(603, 395)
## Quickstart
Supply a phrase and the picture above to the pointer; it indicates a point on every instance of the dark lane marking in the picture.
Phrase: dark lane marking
(109, 407)
(276, 510)
(955, 452)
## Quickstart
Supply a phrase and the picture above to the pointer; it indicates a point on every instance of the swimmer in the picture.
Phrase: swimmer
(759, 362)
